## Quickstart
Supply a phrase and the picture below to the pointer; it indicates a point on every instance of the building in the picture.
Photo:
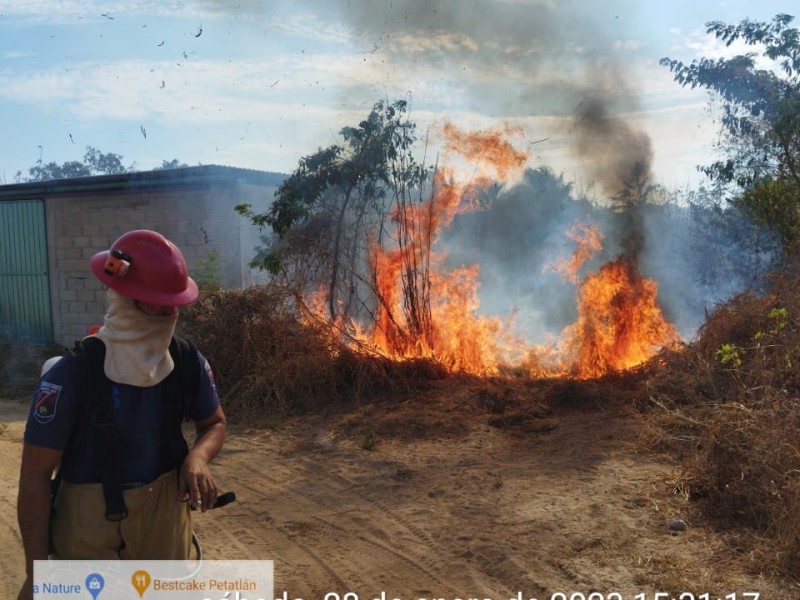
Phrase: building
(49, 231)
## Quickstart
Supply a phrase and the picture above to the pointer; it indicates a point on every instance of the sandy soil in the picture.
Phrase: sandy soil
(461, 491)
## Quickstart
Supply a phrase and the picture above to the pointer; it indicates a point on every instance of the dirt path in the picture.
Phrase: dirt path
(458, 498)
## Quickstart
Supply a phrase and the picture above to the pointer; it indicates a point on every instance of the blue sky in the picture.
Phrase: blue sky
(260, 83)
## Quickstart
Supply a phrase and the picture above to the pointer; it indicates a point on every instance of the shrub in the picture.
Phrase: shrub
(268, 360)
(729, 405)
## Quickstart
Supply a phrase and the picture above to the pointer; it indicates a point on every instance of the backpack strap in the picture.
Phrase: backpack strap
(107, 450)
(95, 408)
(178, 391)
(187, 368)
(100, 406)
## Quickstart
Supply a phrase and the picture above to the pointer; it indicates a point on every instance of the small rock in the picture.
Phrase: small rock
(676, 525)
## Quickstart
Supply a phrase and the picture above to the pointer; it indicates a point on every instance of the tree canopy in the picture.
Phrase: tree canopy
(94, 162)
(760, 123)
(336, 203)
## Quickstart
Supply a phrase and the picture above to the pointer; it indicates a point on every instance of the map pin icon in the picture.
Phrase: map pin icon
(141, 581)
(95, 584)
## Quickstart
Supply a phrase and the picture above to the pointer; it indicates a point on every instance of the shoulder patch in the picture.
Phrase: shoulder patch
(45, 401)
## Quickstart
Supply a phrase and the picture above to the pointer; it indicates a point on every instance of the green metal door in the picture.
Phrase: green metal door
(24, 283)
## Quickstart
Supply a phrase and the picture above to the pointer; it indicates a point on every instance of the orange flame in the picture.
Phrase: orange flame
(423, 311)
(487, 147)
(589, 241)
(620, 324)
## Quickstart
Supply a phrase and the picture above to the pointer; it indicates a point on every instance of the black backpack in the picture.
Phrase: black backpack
(93, 394)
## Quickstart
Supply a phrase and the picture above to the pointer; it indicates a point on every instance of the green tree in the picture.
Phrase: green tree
(774, 203)
(94, 163)
(48, 171)
(759, 104)
(337, 202)
(759, 94)
(103, 164)
(170, 164)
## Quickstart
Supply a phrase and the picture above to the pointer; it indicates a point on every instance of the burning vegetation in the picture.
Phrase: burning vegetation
(385, 288)
(366, 299)
(374, 301)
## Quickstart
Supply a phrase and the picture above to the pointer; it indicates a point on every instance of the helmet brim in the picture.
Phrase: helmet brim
(133, 290)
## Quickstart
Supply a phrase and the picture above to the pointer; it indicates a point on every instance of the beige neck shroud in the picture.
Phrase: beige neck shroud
(137, 344)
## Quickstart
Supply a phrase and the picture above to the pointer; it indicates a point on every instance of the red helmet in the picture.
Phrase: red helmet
(146, 266)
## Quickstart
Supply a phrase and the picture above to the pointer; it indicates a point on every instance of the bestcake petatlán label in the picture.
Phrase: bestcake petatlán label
(153, 579)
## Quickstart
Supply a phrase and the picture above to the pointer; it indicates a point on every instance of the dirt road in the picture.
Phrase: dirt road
(449, 494)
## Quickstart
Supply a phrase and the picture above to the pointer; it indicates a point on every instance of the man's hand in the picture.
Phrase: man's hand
(195, 479)
(197, 483)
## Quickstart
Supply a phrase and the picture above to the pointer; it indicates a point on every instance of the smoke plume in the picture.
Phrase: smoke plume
(523, 59)
(617, 157)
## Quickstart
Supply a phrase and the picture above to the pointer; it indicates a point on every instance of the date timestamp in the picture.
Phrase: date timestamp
(657, 596)
(691, 596)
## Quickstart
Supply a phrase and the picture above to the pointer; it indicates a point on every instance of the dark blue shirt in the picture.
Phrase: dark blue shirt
(53, 418)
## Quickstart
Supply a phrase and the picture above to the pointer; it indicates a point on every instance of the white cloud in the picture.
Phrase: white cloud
(446, 42)
(195, 89)
(75, 11)
(312, 27)
(15, 54)
(628, 44)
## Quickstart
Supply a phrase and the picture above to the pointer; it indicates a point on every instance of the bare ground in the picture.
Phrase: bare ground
(462, 491)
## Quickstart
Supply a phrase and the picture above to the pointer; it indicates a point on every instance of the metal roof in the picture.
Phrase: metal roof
(181, 177)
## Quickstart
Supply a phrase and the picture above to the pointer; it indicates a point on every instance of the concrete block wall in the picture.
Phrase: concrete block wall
(200, 220)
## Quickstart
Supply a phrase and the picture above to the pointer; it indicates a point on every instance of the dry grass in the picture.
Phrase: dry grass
(266, 361)
(20, 365)
(728, 407)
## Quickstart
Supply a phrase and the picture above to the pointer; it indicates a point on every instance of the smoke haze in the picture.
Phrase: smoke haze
(529, 58)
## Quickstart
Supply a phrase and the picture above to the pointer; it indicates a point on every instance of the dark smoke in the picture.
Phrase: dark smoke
(538, 59)
(511, 59)
(505, 59)
(617, 157)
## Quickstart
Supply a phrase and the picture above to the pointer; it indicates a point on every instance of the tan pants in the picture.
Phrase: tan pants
(158, 525)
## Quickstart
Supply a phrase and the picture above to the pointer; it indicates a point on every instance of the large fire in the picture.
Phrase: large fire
(425, 311)
(620, 324)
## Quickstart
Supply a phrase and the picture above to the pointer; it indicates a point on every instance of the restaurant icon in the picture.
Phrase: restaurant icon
(141, 581)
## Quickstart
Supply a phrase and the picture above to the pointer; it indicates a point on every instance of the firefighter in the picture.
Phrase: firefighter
(125, 488)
